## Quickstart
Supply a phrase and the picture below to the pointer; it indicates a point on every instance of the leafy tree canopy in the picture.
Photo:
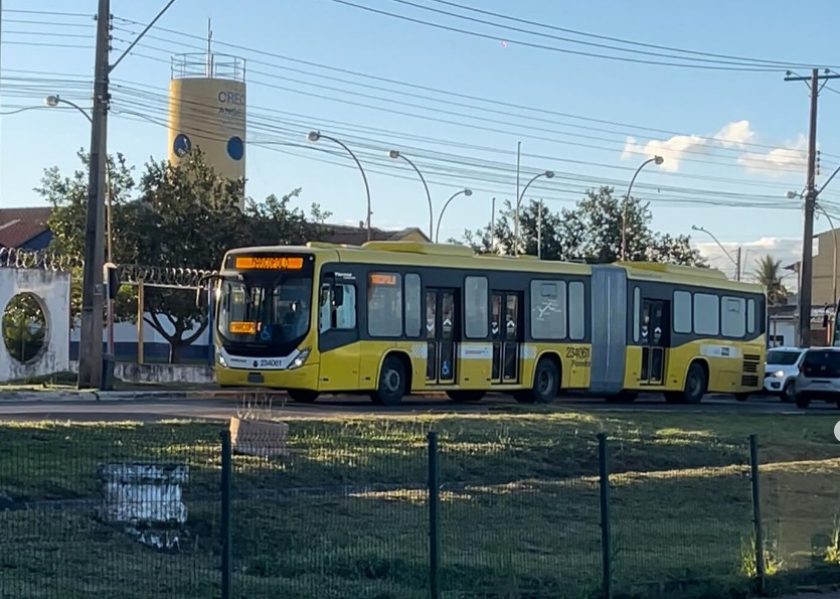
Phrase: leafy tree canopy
(178, 216)
(590, 232)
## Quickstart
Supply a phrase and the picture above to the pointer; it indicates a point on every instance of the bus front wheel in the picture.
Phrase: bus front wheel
(695, 384)
(302, 395)
(392, 382)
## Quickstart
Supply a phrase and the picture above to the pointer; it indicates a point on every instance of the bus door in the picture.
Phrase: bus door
(506, 333)
(654, 338)
(441, 335)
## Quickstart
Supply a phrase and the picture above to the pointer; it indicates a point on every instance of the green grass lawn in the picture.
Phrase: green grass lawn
(344, 514)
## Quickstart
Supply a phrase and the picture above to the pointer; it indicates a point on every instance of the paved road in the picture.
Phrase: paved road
(156, 407)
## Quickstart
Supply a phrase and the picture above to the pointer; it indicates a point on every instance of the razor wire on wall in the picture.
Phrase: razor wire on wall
(130, 274)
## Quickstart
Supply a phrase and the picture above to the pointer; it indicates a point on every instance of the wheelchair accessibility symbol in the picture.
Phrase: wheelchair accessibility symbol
(265, 334)
(444, 369)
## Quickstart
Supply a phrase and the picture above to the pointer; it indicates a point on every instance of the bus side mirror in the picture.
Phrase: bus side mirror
(338, 295)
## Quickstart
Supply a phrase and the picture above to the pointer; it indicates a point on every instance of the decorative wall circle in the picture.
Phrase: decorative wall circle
(24, 328)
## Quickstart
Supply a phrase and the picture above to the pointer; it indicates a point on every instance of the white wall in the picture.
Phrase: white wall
(53, 292)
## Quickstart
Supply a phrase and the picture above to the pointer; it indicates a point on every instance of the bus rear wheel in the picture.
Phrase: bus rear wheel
(546, 384)
(465, 396)
(302, 395)
(392, 382)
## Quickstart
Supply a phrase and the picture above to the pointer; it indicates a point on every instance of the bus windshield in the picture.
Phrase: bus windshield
(264, 315)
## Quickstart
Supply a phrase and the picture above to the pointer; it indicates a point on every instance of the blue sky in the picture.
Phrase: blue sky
(742, 122)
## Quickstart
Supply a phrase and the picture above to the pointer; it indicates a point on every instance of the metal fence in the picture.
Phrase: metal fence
(259, 513)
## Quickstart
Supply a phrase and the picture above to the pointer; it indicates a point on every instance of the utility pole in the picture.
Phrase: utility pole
(493, 225)
(93, 290)
(93, 296)
(738, 263)
(539, 231)
(516, 213)
(805, 268)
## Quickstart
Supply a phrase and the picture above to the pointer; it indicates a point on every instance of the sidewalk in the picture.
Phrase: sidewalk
(127, 394)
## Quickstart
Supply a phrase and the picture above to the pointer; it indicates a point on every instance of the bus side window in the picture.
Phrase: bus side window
(344, 311)
(337, 307)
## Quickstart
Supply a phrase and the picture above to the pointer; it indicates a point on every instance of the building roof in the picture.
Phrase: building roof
(20, 225)
(358, 235)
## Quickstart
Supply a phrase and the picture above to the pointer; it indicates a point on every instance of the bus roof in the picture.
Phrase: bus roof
(689, 275)
(412, 253)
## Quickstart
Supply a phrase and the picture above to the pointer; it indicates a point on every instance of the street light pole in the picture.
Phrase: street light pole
(315, 136)
(737, 262)
(396, 154)
(467, 192)
(52, 102)
(93, 296)
(657, 160)
(547, 175)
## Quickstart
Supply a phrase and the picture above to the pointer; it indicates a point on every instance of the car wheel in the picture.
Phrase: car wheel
(788, 393)
(803, 401)
(742, 396)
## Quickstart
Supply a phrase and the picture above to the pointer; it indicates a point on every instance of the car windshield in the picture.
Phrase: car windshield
(268, 315)
(822, 363)
(782, 357)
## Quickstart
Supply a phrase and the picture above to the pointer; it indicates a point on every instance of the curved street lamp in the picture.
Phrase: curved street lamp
(737, 263)
(547, 175)
(395, 155)
(315, 136)
(53, 101)
(658, 160)
(467, 192)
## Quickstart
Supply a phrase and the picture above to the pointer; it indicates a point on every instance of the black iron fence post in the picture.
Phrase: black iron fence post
(606, 551)
(434, 521)
(227, 555)
(756, 501)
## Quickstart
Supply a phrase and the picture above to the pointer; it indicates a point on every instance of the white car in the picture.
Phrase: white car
(781, 370)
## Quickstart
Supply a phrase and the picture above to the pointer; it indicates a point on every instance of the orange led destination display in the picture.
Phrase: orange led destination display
(383, 279)
(269, 262)
(243, 328)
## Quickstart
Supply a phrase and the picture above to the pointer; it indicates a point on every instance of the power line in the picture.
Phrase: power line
(617, 39)
(445, 92)
(507, 27)
(553, 48)
(752, 162)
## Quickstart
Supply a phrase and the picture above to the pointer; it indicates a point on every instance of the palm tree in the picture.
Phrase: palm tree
(768, 274)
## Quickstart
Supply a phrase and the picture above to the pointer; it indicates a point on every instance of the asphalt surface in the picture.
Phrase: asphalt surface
(175, 405)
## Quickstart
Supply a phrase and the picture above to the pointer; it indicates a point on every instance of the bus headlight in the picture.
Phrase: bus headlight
(222, 361)
(300, 360)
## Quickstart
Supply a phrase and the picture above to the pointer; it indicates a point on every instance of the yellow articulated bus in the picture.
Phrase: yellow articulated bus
(394, 318)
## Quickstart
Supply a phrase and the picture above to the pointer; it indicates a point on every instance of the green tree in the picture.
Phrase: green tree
(176, 216)
(768, 273)
(589, 232)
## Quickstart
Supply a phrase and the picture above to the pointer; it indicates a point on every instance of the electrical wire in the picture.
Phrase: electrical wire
(358, 74)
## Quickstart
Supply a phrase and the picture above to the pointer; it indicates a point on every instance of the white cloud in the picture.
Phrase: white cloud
(735, 134)
(779, 160)
(672, 150)
(788, 250)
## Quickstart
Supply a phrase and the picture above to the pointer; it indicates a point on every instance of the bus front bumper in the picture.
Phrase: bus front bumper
(305, 377)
